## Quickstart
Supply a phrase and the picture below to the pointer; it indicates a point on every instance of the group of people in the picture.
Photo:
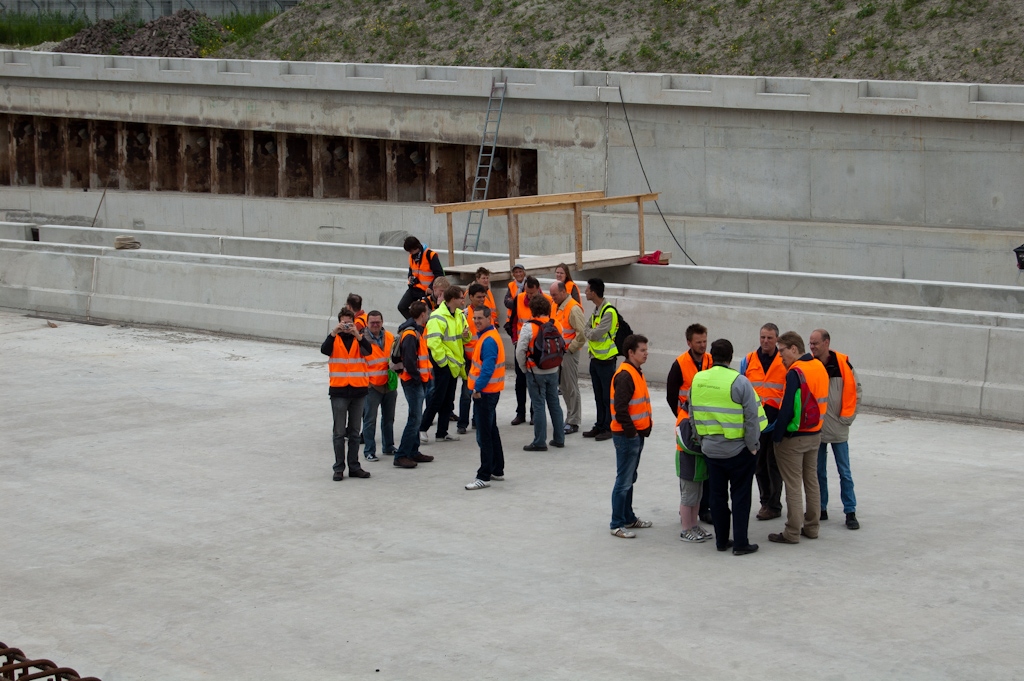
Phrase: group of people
(772, 420)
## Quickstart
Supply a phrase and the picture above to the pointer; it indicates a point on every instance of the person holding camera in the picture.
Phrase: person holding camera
(349, 384)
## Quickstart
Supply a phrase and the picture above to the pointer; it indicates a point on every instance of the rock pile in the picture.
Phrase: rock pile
(176, 35)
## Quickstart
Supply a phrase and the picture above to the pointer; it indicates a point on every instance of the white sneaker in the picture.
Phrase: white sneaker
(478, 484)
(623, 533)
(450, 438)
(424, 438)
(499, 478)
(702, 532)
(691, 537)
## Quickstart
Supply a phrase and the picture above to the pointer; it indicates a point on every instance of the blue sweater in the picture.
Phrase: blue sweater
(488, 358)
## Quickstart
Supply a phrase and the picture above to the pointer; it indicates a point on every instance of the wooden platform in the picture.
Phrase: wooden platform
(546, 264)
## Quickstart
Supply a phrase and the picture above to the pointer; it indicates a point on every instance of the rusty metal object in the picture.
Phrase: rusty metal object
(15, 665)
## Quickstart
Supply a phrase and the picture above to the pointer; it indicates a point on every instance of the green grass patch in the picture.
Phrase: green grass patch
(31, 29)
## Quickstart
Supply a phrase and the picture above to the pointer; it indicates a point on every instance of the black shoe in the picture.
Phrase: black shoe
(531, 420)
(534, 448)
(824, 515)
(593, 432)
(570, 429)
(518, 420)
(606, 435)
(460, 431)
(851, 521)
(744, 550)
(557, 444)
(453, 417)
(706, 517)
(358, 473)
(339, 476)
(728, 545)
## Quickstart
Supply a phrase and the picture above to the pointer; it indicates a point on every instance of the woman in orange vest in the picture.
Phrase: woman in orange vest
(562, 274)
(349, 384)
(424, 266)
(796, 435)
(631, 424)
(486, 381)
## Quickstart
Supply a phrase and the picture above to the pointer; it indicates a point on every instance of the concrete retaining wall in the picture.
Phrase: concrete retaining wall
(904, 292)
(932, 361)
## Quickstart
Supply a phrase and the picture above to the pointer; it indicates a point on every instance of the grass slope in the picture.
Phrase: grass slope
(942, 40)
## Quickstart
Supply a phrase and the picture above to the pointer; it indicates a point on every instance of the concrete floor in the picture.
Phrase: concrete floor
(168, 513)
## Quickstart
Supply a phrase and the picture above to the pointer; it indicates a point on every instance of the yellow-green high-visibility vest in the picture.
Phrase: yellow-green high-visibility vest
(604, 347)
(714, 412)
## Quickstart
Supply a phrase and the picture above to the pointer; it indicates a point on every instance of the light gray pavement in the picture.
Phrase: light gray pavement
(167, 512)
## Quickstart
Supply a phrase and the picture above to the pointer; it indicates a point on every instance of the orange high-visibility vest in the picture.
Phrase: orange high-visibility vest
(361, 321)
(513, 287)
(377, 362)
(470, 345)
(533, 340)
(423, 367)
(421, 270)
(689, 370)
(817, 382)
(497, 382)
(494, 309)
(639, 403)
(523, 313)
(570, 286)
(769, 387)
(562, 319)
(347, 367)
(849, 386)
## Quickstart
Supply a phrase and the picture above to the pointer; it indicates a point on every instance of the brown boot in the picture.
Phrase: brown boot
(422, 458)
(767, 514)
(405, 462)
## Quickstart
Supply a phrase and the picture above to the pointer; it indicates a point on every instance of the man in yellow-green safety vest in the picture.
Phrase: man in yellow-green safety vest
(728, 417)
(600, 333)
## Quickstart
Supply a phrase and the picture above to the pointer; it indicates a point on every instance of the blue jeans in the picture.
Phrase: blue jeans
(386, 403)
(544, 390)
(627, 459)
(415, 392)
(492, 457)
(841, 451)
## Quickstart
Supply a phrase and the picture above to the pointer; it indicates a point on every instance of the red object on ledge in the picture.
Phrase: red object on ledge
(651, 259)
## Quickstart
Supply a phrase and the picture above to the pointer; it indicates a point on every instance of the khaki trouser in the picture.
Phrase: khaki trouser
(569, 382)
(798, 463)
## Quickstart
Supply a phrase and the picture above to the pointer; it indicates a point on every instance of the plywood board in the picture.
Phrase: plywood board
(546, 264)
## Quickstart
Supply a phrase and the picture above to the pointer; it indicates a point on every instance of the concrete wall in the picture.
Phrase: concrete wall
(827, 156)
(932, 361)
(924, 253)
(835, 287)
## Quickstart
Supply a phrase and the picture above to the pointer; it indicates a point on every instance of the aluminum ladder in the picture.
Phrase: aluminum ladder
(482, 183)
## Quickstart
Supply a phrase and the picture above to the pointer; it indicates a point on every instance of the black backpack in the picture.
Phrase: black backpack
(548, 345)
(624, 331)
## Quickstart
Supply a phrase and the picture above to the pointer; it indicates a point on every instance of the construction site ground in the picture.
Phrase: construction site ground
(168, 513)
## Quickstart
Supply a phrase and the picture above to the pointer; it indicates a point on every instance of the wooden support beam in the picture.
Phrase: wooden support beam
(121, 136)
(355, 152)
(317, 157)
(215, 151)
(513, 234)
(182, 158)
(11, 152)
(94, 182)
(430, 181)
(451, 242)
(248, 149)
(577, 221)
(538, 207)
(281, 141)
(391, 170)
(494, 205)
(37, 158)
(640, 220)
(154, 167)
(65, 147)
(515, 174)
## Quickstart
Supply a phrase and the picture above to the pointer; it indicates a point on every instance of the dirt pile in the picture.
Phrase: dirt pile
(186, 33)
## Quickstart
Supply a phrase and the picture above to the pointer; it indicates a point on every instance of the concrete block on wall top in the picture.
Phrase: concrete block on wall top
(46, 282)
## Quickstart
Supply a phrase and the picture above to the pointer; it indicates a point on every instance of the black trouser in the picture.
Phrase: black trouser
(738, 473)
(769, 479)
(412, 294)
(520, 391)
(601, 373)
(442, 402)
(705, 499)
